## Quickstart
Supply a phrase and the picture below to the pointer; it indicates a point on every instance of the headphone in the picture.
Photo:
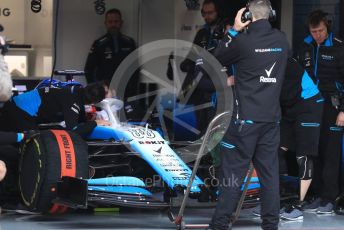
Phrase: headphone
(247, 14)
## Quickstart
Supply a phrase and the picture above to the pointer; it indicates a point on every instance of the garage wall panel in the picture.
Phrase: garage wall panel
(12, 18)
(79, 25)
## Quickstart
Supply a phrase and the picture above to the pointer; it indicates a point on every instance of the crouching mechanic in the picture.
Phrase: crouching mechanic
(46, 105)
(260, 57)
(302, 107)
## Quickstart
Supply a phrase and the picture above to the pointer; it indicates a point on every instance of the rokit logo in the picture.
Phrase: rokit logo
(151, 142)
(268, 79)
(5, 12)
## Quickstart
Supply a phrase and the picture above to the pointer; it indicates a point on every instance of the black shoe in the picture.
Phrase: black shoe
(311, 206)
(9, 207)
(21, 209)
(292, 213)
(215, 228)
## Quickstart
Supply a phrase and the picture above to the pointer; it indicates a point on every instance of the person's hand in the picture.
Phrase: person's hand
(109, 93)
(103, 123)
(238, 24)
(230, 81)
(340, 119)
(3, 170)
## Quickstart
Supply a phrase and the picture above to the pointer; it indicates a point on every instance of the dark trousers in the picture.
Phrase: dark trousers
(16, 120)
(9, 186)
(327, 167)
(258, 143)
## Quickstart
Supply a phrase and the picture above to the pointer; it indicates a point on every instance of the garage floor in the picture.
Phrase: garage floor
(135, 219)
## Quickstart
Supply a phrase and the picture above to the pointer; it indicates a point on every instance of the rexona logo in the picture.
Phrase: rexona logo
(268, 79)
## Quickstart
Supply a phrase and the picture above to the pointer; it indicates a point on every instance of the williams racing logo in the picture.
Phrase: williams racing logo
(268, 50)
(268, 79)
(327, 57)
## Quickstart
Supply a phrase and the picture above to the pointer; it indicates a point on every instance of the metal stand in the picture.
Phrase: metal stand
(213, 126)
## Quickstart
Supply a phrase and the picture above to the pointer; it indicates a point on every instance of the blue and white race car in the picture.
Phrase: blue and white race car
(122, 165)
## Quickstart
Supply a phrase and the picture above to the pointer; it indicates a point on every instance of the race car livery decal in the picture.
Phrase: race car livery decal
(151, 142)
(121, 189)
(117, 181)
(142, 133)
(157, 153)
(103, 133)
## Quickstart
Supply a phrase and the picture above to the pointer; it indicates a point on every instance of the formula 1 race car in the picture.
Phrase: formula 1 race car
(123, 165)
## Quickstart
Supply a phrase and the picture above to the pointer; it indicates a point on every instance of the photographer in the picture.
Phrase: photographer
(5, 77)
(6, 138)
(259, 56)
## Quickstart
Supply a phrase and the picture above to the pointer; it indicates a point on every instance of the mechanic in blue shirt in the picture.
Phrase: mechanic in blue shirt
(302, 107)
(202, 89)
(107, 52)
(322, 55)
(47, 105)
(106, 55)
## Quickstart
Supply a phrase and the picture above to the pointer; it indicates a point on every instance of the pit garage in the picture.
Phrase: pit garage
(119, 110)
